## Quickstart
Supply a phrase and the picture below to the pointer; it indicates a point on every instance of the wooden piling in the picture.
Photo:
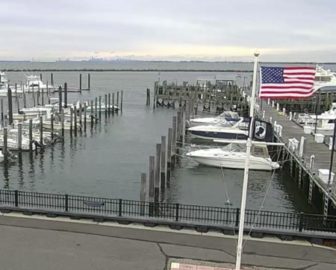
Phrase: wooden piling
(10, 106)
(163, 164)
(41, 130)
(113, 105)
(19, 138)
(174, 138)
(143, 194)
(71, 121)
(96, 109)
(75, 121)
(5, 147)
(65, 95)
(106, 105)
(169, 152)
(89, 81)
(60, 99)
(148, 97)
(52, 79)
(2, 112)
(121, 100)
(91, 114)
(109, 103)
(24, 99)
(85, 112)
(62, 123)
(80, 82)
(31, 136)
(151, 189)
(42, 97)
(80, 118)
(52, 125)
(118, 99)
(100, 108)
(157, 173)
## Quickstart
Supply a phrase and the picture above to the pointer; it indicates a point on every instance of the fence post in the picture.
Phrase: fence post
(237, 216)
(120, 207)
(16, 198)
(66, 200)
(177, 207)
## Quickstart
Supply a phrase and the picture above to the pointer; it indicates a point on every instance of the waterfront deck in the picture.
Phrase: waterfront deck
(320, 150)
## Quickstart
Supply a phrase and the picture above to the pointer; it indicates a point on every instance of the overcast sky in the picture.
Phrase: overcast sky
(216, 30)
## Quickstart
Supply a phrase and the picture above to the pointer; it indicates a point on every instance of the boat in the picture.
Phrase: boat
(1, 157)
(324, 78)
(35, 84)
(233, 156)
(227, 118)
(3, 84)
(210, 132)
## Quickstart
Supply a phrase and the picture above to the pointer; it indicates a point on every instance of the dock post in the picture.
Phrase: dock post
(163, 164)
(80, 118)
(19, 139)
(30, 136)
(301, 150)
(24, 98)
(109, 103)
(106, 105)
(169, 152)
(263, 115)
(60, 99)
(91, 114)
(148, 97)
(2, 112)
(41, 130)
(113, 105)
(5, 149)
(75, 120)
(41, 76)
(80, 82)
(121, 100)
(71, 121)
(65, 95)
(310, 191)
(143, 194)
(290, 116)
(96, 110)
(52, 79)
(89, 81)
(100, 108)
(157, 173)
(42, 97)
(10, 106)
(85, 108)
(174, 137)
(62, 124)
(118, 100)
(151, 185)
(52, 125)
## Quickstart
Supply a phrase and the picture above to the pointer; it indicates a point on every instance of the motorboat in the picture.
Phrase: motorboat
(227, 118)
(237, 131)
(233, 156)
(324, 78)
(35, 84)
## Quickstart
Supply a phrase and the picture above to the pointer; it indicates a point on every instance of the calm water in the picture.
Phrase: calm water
(109, 160)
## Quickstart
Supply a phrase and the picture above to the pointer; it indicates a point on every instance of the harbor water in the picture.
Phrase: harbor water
(109, 160)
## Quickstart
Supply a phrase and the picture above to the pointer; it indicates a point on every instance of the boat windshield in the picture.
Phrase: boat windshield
(234, 147)
(259, 151)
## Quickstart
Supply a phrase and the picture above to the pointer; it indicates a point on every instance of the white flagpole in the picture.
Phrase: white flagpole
(247, 165)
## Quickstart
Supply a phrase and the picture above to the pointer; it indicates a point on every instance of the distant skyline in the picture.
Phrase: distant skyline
(175, 30)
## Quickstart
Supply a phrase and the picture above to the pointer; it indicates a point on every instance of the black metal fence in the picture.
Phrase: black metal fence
(165, 212)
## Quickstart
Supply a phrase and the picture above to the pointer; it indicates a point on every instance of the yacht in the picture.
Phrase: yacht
(324, 78)
(237, 131)
(233, 156)
(34, 84)
(225, 118)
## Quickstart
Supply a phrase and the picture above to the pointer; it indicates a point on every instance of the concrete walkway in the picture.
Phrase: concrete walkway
(59, 243)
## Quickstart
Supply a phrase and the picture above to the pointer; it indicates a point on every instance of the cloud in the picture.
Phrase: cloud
(188, 30)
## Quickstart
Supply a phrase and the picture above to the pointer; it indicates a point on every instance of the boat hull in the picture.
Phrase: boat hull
(218, 135)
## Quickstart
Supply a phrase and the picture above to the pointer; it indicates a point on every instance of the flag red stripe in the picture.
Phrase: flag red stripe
(308, 68)
(285, 87)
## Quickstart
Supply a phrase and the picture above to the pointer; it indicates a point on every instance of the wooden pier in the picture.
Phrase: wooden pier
(303, 157)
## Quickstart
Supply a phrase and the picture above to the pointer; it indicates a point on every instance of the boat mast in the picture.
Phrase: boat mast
(246, 169)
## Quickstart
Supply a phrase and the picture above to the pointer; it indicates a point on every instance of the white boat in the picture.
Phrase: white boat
(233, 156)
(324, 78)
(35, 84)
(227, 118)
(239, 131)
(1, 157)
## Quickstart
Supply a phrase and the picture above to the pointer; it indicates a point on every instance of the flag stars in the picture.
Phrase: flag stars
(272, 75)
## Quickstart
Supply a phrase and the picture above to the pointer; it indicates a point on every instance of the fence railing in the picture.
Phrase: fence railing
(168, 212)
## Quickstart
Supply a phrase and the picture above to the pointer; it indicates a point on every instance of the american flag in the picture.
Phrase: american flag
(287, 82)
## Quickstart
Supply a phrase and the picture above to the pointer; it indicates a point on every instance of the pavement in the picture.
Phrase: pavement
(39, 243)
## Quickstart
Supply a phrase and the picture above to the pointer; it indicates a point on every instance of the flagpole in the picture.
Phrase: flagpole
(246, 170)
